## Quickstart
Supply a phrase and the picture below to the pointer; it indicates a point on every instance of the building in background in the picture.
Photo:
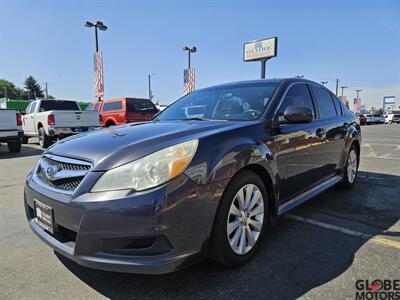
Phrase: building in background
(389, 103)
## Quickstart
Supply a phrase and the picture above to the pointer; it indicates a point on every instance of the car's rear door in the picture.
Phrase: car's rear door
(29, 118)
(335, 124)
(300, 146)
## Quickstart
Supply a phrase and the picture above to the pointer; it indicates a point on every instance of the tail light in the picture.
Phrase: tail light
(19, 120)
(51, 120)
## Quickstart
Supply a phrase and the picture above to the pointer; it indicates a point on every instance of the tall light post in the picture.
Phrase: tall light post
(150, 92)
(324, 82)
(189, 50)
(343, 87)
(358, 91)
(99, 25)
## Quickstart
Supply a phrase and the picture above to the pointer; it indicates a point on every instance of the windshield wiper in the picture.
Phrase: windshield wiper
(196, 119)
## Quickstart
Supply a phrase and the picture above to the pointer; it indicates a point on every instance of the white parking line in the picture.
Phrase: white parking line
(375, 239)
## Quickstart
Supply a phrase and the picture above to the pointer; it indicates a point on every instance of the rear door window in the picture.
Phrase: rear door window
(297, 95)
(325, 102)
(338, 107)
(118, 105)
(32, 110)
(108, 106)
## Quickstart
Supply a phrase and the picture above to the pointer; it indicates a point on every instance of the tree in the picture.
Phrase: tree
(9, 90)
(33, 87)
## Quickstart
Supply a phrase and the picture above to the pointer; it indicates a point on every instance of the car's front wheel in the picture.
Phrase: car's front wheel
(241, 219)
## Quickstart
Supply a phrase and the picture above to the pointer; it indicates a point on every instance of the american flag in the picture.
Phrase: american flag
(188, 81)
(98, 75)
(357, 105)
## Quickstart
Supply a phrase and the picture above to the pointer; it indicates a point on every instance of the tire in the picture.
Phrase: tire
(24, 139)
(44, 139)
(108, 124)
(220, 246)
(14, 147)
(349, 179)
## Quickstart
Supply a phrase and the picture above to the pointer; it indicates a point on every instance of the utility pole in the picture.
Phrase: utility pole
(149, 87)
(324, 82)
(337, 86)
(46, 90)
(5, 92)
(343, 87)
(149, 82)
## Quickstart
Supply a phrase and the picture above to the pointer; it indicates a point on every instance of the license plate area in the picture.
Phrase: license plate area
(43, 216)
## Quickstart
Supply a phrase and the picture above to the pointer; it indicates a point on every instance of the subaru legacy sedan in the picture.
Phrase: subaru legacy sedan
(204, 178)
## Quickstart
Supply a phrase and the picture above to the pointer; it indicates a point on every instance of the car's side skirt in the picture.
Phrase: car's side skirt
(307, 195)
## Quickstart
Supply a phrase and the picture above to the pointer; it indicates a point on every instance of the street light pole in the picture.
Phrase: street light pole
(343, 87)
(98, 25)
(189, 50)
(358, 91)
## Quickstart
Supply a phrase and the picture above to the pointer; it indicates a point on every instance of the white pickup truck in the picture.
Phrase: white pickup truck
(10, 129)
(52, 119)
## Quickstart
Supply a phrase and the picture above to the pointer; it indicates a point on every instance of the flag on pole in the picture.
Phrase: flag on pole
(188, 81)
(98, 75)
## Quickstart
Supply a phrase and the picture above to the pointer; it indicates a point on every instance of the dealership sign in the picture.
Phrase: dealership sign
(260, 49)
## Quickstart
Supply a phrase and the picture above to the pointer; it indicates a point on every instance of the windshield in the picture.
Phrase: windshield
(241, 102)
(47, 105)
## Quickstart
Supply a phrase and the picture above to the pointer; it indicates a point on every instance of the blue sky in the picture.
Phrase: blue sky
(356, 41)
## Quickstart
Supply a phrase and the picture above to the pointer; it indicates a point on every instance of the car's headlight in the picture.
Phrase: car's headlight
(149, 171)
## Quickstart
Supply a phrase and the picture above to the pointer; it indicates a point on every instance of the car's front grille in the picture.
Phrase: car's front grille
(60, 173)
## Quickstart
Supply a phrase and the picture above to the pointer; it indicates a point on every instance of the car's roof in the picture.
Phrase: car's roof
(249, 82)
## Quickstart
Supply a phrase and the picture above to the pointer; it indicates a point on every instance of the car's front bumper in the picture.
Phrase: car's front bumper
(97, 232)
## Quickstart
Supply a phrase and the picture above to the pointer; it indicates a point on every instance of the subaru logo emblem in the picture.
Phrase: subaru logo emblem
(52, 171)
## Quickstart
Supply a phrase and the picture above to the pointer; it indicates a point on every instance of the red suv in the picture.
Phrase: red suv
(124, 110)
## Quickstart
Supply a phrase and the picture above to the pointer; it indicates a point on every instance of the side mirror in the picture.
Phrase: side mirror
(298, 114)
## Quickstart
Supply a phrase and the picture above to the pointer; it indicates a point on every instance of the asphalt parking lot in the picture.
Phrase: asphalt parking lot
(318, 250)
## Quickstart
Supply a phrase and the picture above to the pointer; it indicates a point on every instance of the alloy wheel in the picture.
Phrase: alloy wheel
(245, 219)
(352, 166)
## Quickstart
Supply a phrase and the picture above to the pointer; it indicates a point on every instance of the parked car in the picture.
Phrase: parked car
(392, 118)
(10, 129)
(362, 119)
(395, 119)
(375, 119)
(205, 177)
(124, 110)
(379, 119)
(52, 119)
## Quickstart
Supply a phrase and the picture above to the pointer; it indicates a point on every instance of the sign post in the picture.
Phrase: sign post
(261, 50)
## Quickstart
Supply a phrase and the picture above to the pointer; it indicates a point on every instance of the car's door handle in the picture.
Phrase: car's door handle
(321, 133)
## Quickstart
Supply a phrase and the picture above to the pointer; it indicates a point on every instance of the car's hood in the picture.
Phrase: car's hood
(114, 146)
